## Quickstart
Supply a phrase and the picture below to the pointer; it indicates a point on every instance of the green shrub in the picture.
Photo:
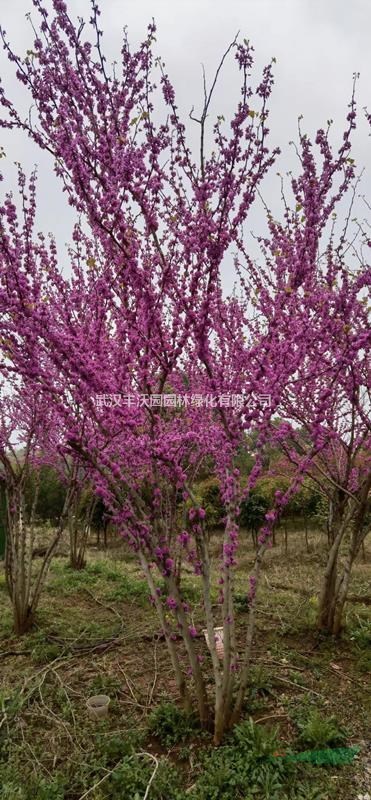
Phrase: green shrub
(260, 681)
(105, 684)
(241, 602)
(318, 731)
(51, 495)
(243, 769)
(44, 789)
(364, 662)
(132, 776)
(43, 653)
(115, 747)
(13, 786)
(253, 511)
(171, 725)
(360, 633)
(208, 496)
(64, 580)
(104, 569)
(257, 740)
(307, 791)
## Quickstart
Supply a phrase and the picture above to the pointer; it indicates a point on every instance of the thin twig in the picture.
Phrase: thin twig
(269, 716)
(14, 653)
(297, 686)
(92, 788)
(99, 603)
(153, 773)
(283, 666)
(150, 696)
(149, 755)
(342, 674)
(35, 758)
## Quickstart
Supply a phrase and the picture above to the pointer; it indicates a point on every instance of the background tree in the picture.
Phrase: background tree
(325, 407)
(51, 493)
(25, 428)
(253, 511)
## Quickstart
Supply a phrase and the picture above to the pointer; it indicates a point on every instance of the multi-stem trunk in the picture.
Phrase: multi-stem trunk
(179, 675)
(79, 529)
(18, 558)
(201, 695)
(24, 582)
(336, 532)
(358, 535)
(342, 586)
(244, 674)
(219, 717)
(223, 706)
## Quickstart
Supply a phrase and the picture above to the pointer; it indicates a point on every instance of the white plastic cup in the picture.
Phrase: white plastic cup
(98, 706)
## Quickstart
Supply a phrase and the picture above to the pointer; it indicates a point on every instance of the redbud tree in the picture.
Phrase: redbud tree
(325, 406)
(143, 314)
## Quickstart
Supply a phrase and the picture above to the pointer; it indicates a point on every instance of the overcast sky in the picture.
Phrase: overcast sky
(318, 44)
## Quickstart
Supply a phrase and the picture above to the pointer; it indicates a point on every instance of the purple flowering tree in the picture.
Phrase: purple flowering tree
(142, 322)
(325, 406)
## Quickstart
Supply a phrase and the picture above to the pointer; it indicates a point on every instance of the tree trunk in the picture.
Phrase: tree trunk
(331, 523)
(79, 534)
(327, 597)
(338, 521)
(23, 581)
(249, 636)
(179, 676)
(77, 561)
(359, 533)
(363, 552)
(23, 619)
(254, 537)
(203, 552)
(341, 596)
(221, 717)
(18, 558)
(201, 694)
(327, 592)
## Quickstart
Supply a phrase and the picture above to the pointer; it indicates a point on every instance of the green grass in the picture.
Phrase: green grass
(245, 767)
(128, 588)
(51, 750)
(65, 580)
